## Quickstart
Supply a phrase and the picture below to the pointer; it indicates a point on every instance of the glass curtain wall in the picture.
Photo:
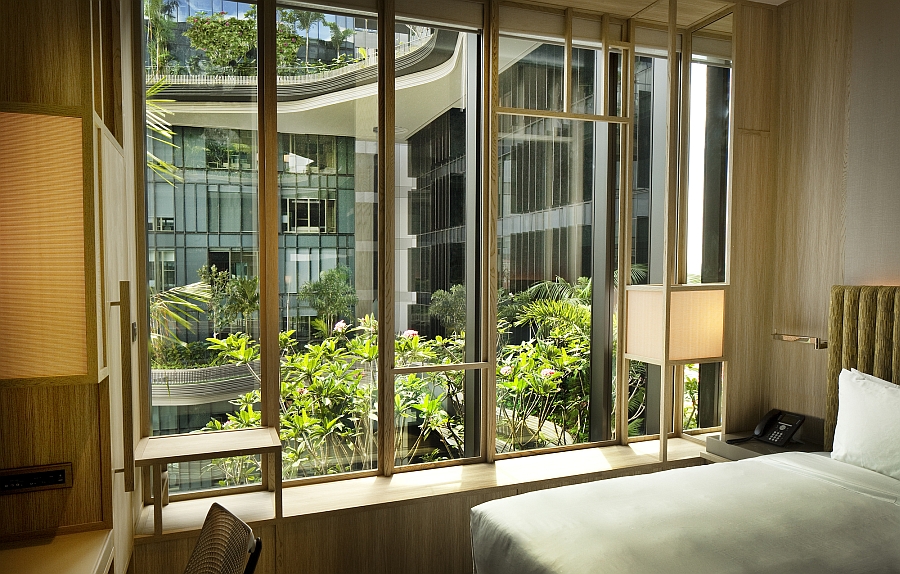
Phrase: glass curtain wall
(201, 198)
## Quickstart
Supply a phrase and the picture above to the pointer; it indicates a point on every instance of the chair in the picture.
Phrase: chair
(225, 540)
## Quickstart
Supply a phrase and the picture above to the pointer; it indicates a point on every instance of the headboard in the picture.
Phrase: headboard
(863, 333)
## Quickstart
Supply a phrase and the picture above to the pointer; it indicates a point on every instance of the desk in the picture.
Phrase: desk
(717, 450)
(81, 553)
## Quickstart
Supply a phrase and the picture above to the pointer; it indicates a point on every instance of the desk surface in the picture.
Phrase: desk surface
(81, 553)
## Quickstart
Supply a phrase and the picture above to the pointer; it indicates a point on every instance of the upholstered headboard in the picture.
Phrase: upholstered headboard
(863, 333)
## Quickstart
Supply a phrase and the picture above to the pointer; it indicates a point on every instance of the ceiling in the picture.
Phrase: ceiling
(689, 11)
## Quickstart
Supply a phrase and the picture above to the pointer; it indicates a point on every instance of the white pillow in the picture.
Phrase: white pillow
(867, 433)
(872, 378)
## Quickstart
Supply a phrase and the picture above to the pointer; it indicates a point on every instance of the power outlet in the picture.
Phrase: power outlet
(27, 479)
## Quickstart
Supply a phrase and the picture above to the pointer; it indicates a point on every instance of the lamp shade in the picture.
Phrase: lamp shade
(696, 324)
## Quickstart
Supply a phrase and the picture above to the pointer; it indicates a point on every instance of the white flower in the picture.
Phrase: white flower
(410, 333)
(547, 373)
(506, 370)
(340, 326)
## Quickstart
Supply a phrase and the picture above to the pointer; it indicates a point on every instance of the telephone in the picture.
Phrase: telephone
(777, 428)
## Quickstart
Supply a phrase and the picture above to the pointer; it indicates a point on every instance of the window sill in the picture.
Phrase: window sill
(257, 507)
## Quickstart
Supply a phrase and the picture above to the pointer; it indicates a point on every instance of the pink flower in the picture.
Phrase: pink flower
(547, 373)
(410, 333)
(506, 370)
(340, 326)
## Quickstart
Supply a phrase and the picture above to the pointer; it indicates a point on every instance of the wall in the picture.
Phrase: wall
(871, 255)
(813, 76)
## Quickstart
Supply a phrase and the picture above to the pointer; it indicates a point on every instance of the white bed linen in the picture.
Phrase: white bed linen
(784, 513)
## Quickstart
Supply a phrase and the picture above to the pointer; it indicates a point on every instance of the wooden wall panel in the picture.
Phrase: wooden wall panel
(814, 83)
(48, 425)
(748, 323)
(43, 46)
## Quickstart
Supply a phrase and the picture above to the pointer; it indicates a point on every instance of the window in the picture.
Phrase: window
(329, 272)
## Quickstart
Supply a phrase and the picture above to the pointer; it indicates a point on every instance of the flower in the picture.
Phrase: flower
(410, 333)
(505, 370)
(547, 373)
(340, 326)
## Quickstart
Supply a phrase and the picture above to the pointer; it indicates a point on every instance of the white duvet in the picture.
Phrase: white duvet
(787, 514)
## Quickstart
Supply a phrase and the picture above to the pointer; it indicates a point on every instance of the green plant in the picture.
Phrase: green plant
(226, 41)
(174, 307)
(332, 295)
(339, 36)
(159, 129)
(450, 308)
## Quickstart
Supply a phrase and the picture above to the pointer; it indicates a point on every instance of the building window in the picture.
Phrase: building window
(308, 216)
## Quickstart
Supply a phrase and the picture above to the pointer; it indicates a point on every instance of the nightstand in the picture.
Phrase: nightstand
(717, 450)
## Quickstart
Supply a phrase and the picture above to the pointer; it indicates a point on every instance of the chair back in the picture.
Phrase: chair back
(225, 540)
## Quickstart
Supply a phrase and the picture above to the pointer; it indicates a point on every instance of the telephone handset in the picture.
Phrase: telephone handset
(777, 428)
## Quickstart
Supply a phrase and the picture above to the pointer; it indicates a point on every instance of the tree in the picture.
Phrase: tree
(226, 41)
(218, 296)
(158, 14)
(332, 296)
(450, 308)
(243, 298)
(305, 21)
(175, 306)
(160, 129)
(338, 37)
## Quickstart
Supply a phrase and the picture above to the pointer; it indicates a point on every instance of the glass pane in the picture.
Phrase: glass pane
(548, 172)
(702, 404)
(202, 240)
(327, 243)
(649, 183)
(436, 199)
(644, 382)
(532, 74)
(587, 66)
(708, 172)
(615, 83)
(430, 415)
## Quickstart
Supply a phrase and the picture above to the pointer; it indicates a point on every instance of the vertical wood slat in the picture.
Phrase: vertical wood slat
(269, 215)
(865, 342)
(895, 347)
(386, 120)
(850, 321)
(127, 385)
(491, 201)
(884, 334)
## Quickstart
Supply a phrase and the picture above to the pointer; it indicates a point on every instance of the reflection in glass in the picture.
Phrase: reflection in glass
(532, 74)
(586, 70)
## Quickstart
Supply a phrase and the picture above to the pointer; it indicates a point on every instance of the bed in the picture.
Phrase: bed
(791, 512)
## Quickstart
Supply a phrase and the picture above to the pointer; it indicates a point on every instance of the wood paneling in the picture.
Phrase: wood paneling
(754, 62)
(42, 246)
(44, 44)
(751, 268)
(49, 425)
(813, 78)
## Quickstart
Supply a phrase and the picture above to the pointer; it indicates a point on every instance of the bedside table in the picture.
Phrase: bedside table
(717, 450)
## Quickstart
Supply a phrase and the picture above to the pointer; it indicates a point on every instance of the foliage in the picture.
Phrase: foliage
(242, 299)
(691, 402)
(175, 306)
(332, 295)
(158, 15)
(305, 20)
(339, 36)
(160, 129)
(217, 303)
(193, 355)
(226, 41)
(328, 398)
(450, 308)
